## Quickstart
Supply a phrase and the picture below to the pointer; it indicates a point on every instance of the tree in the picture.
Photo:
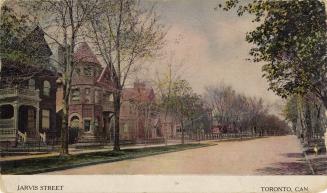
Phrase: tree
(181, 102)
(164, 82)
(290, 111)
(291, 41)
(123, 34)
(236, 112)
(18, 62)
(219, 98)
(63, 19)
(306, 116)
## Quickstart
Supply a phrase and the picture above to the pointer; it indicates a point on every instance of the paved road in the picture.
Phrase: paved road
(265, 156)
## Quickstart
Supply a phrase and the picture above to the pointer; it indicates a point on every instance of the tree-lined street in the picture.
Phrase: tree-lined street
(122, 87)
(265, 156)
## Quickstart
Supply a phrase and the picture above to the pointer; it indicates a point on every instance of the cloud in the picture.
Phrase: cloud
(212, 46)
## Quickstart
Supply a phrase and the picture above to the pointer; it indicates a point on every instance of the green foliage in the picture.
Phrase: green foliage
(290, 109)
(183, 101)
(11, 29)
(291, 41)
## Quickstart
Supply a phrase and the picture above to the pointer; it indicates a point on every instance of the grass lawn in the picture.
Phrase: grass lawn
(52, 163)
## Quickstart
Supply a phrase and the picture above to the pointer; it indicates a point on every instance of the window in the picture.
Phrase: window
(87, 91)
(125, 128)
(87, 97)
(75, 94)
(6, 112)
(108, 97)
(87, 125)
(97, 96)
(31, 84)
(78, 71)
(74, 122)
(45, 119)
(46, 88)
(111, 98)
(87, 71)
(107, 77)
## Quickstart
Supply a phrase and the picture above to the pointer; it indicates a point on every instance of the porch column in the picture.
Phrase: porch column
(37, 128)
(16, 118)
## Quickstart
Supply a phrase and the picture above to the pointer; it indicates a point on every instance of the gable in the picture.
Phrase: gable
(35, 44)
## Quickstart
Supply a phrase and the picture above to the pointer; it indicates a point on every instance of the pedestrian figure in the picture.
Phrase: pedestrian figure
(315, 149)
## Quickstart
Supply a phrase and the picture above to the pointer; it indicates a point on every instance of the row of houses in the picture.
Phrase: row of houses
(31, 108)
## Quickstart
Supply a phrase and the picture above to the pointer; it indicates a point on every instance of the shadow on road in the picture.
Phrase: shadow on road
(297, 167)
(294, 155)
(320, 165)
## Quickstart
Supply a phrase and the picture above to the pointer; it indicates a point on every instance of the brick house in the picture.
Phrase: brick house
(91, 98)
(139, 115)
(28, 101)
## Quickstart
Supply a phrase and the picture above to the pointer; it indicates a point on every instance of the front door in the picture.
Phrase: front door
(87, 125)
(31, 122)
(27, 120)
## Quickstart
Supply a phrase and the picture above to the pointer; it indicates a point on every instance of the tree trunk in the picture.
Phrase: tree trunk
(182, 132)
(117, 116)
(64, 130)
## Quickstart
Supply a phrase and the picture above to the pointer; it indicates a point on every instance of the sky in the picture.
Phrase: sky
(211, 46)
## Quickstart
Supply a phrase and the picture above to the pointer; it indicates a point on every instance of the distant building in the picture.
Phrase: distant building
(28, 92)
(139, 115)
(170, 125)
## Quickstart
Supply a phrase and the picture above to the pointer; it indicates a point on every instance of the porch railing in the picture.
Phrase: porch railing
(16, 91)
(7, 123)
(7, 134)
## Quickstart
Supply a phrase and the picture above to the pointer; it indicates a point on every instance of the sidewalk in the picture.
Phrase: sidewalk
(76, 151)
(319, 163)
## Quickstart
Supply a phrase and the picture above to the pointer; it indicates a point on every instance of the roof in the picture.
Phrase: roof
(104, 80)
(85, 54)
(139, 94)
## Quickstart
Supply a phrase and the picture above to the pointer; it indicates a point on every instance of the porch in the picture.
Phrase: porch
(19, 116)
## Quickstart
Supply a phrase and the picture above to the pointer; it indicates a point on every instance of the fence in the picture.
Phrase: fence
(216, 136)
(54, 144)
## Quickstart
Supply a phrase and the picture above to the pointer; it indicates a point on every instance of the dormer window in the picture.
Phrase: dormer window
(87, 71)
(46, 88)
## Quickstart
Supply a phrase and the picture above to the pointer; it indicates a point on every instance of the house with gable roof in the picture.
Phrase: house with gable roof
(139, 114)
(28, 91)
(91, 99)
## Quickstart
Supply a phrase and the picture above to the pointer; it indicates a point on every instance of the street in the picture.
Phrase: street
(265, 156)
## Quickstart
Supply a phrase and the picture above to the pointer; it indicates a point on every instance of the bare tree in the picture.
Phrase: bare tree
(62, 21)
(123, 33)
(236, 112)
